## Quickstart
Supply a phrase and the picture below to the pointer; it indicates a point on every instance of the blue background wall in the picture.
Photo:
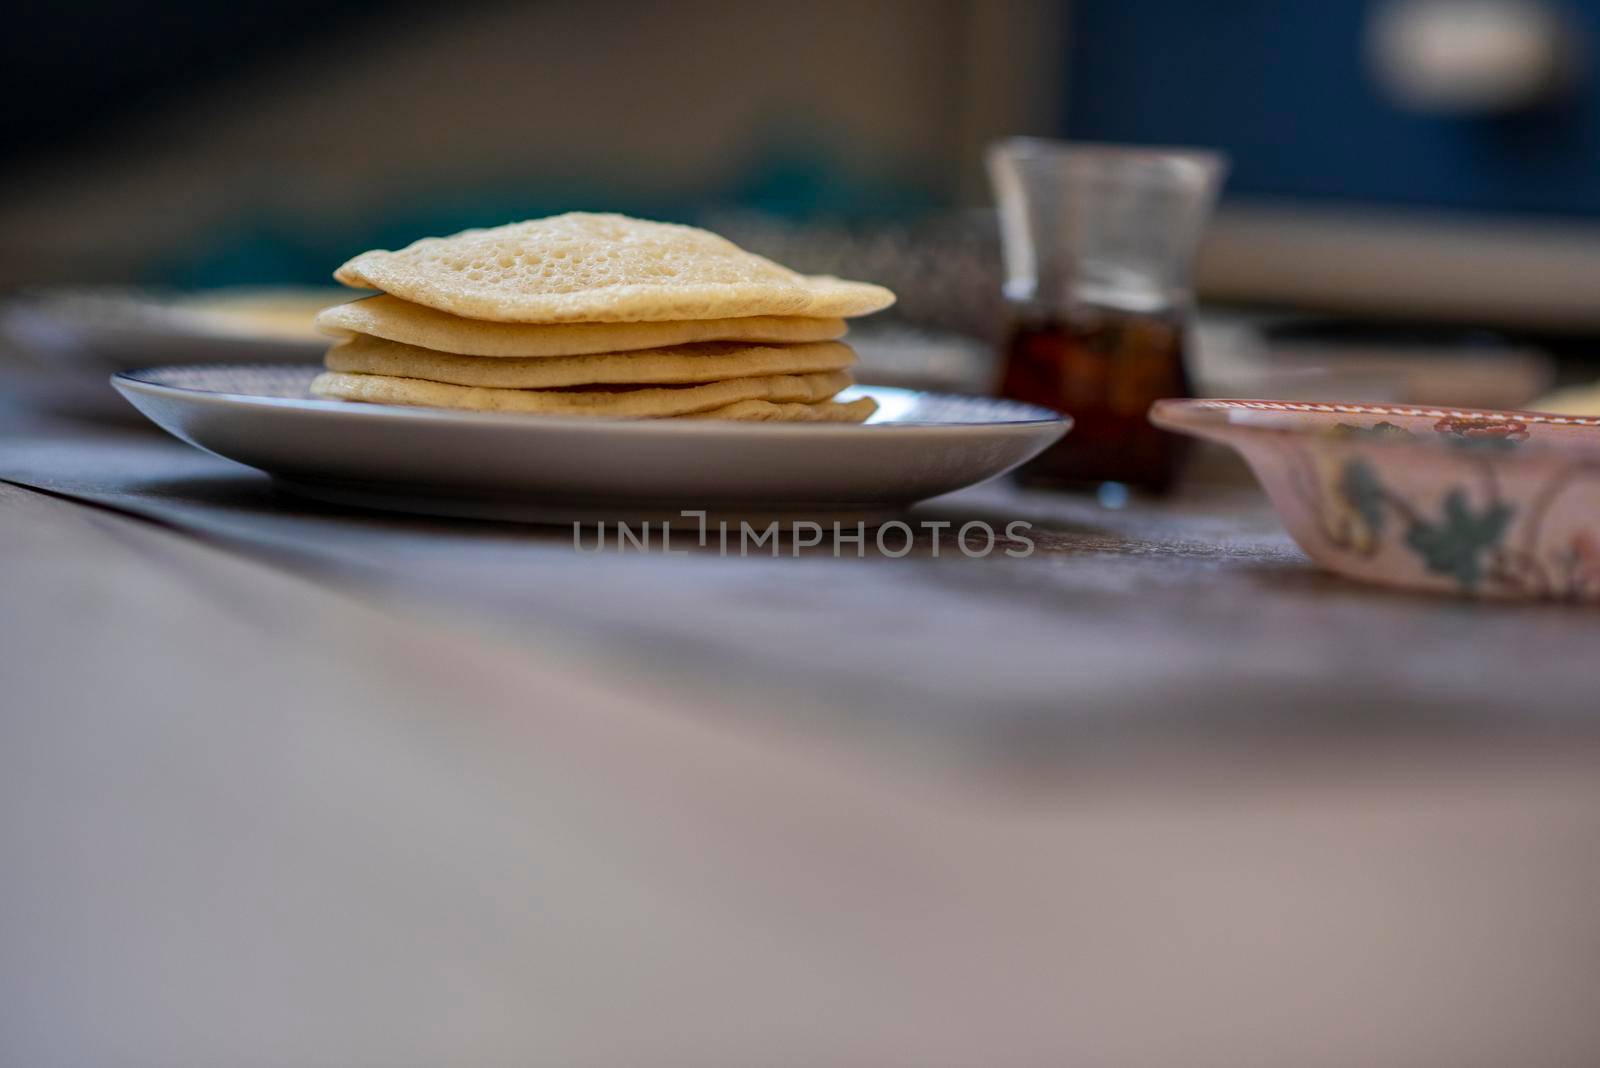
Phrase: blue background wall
(1282, 85)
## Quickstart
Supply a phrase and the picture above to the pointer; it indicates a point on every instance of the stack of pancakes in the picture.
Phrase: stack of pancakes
(595, 315)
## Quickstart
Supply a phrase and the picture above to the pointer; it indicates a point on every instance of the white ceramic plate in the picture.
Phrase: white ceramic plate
(546, 469)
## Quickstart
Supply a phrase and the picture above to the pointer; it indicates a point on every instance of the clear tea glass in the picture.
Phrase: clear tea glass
(1099, 244)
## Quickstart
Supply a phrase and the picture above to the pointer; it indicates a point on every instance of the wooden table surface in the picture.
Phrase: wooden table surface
(283, 783)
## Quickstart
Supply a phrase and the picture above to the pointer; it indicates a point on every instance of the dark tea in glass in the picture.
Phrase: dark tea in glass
(1099, 243)
(1104, 368)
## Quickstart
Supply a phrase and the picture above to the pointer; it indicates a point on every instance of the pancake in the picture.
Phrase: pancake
(759, 411)
(615, 402)
(581, 267)
(412, 324)
(710, 362)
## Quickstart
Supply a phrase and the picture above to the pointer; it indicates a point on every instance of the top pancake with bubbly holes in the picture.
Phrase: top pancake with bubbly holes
(581, 267)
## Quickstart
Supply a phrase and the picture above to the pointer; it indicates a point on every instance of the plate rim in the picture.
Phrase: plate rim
(126, 381)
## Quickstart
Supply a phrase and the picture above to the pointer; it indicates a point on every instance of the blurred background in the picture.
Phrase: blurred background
(1410, 213)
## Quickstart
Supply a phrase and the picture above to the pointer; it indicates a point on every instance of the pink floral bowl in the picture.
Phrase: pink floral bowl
(1482, 503)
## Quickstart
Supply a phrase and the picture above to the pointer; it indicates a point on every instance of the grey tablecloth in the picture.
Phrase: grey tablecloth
(286, 784)
(1192, 616)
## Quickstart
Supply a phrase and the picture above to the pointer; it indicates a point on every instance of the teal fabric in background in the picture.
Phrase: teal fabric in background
(787, 185)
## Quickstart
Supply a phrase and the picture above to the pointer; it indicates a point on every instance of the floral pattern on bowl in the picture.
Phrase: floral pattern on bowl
(1481, 503)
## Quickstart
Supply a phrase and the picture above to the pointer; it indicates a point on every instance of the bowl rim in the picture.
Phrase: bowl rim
(1205, 417)
(1431, 411)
